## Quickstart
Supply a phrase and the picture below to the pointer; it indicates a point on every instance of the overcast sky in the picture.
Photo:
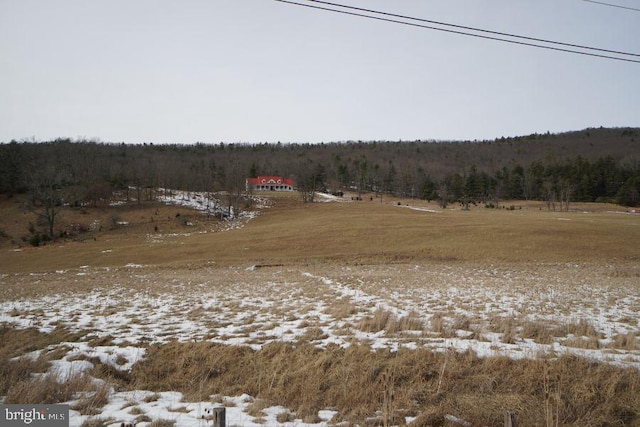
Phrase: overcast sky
(186, 71)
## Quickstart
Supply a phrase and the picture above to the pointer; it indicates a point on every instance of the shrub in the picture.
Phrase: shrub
(35, 240)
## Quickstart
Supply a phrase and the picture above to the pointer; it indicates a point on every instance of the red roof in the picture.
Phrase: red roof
(270, 180)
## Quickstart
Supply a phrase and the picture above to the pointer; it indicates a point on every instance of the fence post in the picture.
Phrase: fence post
(219, 417)
(509, 419)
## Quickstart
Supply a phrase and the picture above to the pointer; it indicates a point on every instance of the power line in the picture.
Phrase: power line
(613, 5)
(430, 27)
(471, 28)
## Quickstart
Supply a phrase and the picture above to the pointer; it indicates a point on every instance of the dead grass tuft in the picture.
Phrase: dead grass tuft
(437, 324)
(537, 331)
(152, 398)
(143, 419)
(410, 322)
(19, 371)
(16, 376)
(285, 417)
(590, 343)
(626, 341)
(96, 422)
(136, 410)
(383, 320)
(45, 389)
(341, 309)
(376, 323)
(313, 333)
(92, 402)
(581, 328)
(256, 408)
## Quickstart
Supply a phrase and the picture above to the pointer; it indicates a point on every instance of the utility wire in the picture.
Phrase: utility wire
(444, 24)
(522, 43)
(613, 5)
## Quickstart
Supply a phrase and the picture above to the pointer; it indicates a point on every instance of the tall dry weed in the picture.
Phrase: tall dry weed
(17, 372)
(410, 322)
(537, 331)
(92, 401)
(377, 322)
(355, 381)
(45, 389)
(581, 328)
(626, 341)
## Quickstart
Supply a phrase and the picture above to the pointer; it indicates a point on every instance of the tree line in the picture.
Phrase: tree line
(590, 165)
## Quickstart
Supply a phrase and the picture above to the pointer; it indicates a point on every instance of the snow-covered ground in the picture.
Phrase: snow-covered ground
(451, 307)
(171, 406)
(211, 204)
(250, 306)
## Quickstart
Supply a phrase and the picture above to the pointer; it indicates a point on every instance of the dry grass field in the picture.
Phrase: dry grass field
(331, 313)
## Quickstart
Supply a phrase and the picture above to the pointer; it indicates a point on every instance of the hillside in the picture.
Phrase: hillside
(596, 164)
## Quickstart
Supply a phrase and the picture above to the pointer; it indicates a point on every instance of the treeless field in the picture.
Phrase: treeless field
(330, 306)
(366, 232)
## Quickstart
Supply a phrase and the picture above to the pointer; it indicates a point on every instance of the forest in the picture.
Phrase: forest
(591, 165)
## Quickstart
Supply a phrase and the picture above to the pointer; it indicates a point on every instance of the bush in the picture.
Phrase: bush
(35, 240)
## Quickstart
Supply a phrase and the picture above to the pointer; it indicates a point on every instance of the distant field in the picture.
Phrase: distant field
(463, 314)
(352, 233)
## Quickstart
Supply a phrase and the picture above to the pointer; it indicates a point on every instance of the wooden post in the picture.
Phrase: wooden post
(509, 419)
(219, 417)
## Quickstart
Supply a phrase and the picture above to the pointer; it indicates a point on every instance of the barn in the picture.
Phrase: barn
(269, 183)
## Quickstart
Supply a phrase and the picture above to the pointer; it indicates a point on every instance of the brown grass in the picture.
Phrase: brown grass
(342, 232)
(341, 309)
(23, 380)
(15, 375)
(626, 341)
(306, 379)
(537, 331)
(285, 417)
(96, 422)
(136, 411)
(581, 328)
(409, 322)
(582, 342)
(92, 403)
(256, 408)
(377, 322)
(45, 389)
(162, 423)
(313, 334)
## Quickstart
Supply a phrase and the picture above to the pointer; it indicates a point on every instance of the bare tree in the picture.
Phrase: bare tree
(47, 199)
(443, 195)
(566, 192)
(551, 195)
(234, 189)
(310, 178)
